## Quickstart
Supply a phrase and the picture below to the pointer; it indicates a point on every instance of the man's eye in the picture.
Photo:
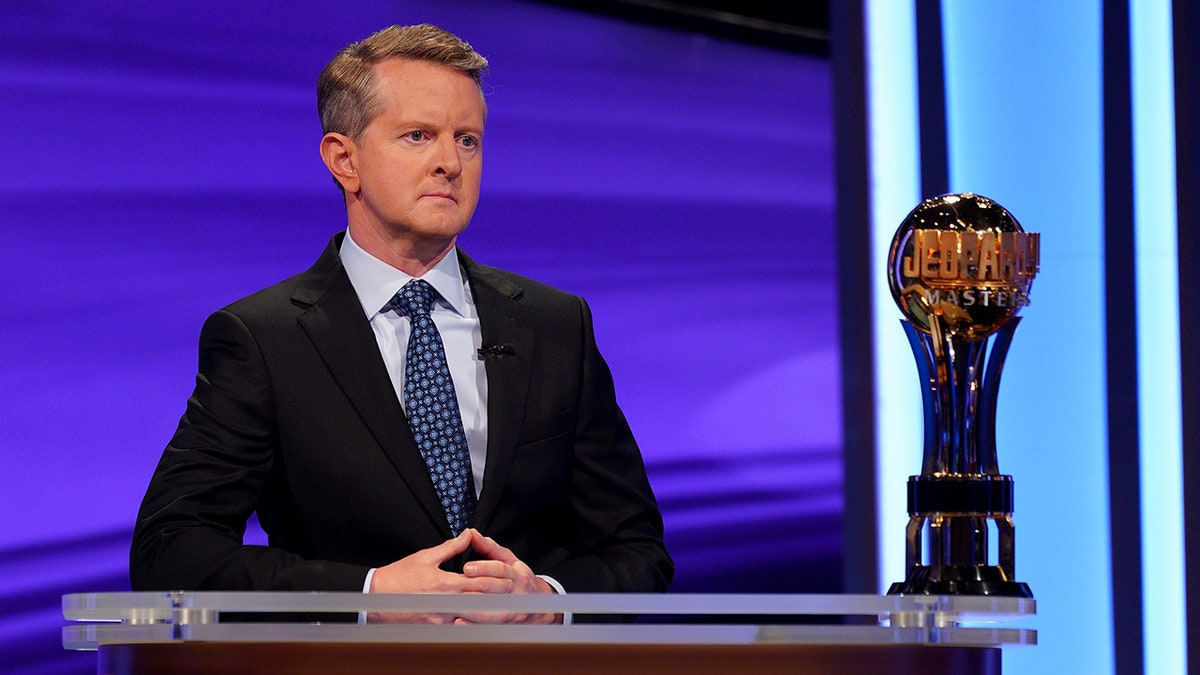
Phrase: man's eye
(468, 141)
(416, 135)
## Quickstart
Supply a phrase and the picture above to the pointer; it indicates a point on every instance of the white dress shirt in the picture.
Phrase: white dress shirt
(453, 313)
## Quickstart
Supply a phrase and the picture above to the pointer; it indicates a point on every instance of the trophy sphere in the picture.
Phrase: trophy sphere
(961, 265)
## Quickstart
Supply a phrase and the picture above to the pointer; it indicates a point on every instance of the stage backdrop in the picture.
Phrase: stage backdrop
(161, 161)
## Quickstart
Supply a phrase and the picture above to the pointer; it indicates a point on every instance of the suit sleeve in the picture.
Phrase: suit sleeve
(617, 529)
(210, 479)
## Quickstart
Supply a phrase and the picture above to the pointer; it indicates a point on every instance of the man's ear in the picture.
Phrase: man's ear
(339, 153)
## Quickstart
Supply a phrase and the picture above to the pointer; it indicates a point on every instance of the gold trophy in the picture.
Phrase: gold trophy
(960, 268)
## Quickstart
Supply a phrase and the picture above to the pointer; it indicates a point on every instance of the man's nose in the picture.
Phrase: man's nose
(446, 159)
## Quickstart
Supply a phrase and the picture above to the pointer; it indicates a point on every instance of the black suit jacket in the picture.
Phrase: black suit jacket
(293, 415)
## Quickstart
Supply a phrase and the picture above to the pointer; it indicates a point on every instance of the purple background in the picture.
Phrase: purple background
(161, 161)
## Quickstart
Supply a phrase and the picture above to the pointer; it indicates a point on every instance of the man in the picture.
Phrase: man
(323, 404)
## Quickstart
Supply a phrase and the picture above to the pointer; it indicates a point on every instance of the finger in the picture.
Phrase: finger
(488, 547)
(488, 568)
(486, 584)
(449, 548)
(488, 618)
(399, 617)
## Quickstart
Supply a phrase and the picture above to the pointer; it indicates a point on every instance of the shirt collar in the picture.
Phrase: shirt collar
(376, 282)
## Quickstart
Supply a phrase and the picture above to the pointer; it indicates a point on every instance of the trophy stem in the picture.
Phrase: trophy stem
(986, 433)
(960, 500)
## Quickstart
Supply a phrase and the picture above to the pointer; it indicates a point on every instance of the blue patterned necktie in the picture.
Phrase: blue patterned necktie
(432, 407)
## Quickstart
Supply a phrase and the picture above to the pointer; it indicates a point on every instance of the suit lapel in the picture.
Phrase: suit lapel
(339, 331)
(503, 320)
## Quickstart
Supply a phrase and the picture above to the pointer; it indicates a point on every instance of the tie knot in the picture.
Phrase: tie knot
(414, 299)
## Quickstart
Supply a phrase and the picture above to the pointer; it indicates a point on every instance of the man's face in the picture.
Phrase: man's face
(420, 160)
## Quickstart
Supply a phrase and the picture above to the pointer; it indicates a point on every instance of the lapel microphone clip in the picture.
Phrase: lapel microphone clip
(496, 350)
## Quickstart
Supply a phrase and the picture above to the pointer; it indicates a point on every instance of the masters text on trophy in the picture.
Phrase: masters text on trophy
(960, 268)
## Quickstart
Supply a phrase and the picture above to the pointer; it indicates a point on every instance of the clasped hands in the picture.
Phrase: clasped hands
(501, 572)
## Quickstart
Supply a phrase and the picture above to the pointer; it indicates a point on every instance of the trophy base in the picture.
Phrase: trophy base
(960, 580)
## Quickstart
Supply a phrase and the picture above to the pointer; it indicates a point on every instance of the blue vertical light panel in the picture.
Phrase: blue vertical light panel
(1159, 410)
(1025, 128)
(895, 190)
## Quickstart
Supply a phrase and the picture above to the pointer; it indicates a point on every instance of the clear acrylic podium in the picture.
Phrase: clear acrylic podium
(183, 632)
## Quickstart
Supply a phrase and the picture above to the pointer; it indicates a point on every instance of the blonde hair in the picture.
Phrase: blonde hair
(346, 99)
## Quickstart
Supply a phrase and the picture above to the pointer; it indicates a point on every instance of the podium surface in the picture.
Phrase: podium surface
(218, 632)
